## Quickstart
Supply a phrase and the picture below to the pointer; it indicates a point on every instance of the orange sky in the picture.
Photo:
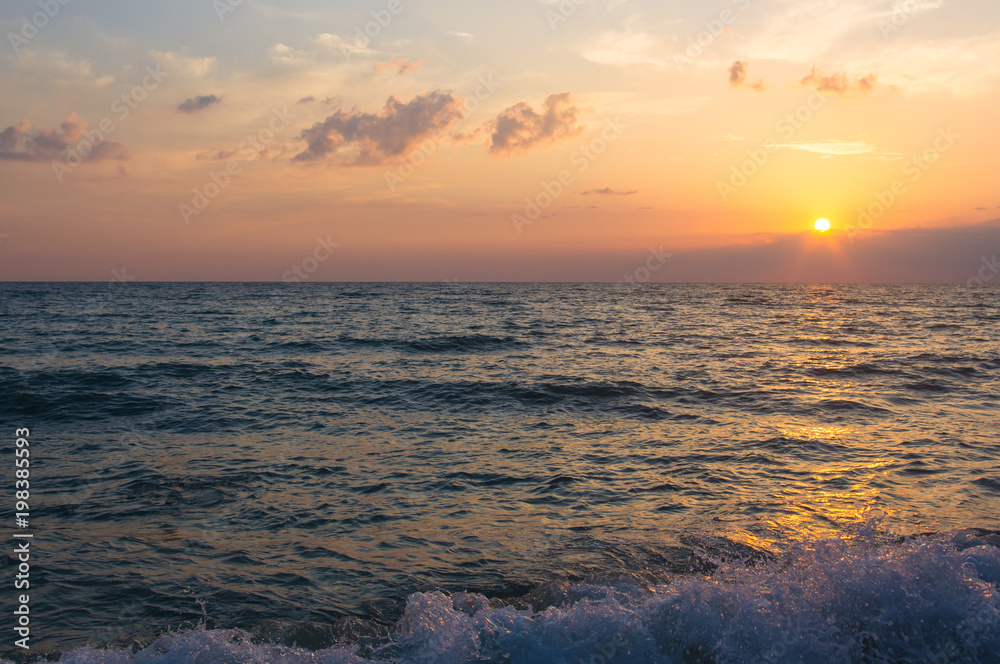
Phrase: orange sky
(534, 141)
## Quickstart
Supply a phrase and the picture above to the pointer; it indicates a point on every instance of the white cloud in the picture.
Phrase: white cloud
(183, 66)
(288, 55)
(59, 68)
(832, 147)
(623, 49)
(808, 31)
(963, 66)
(343, 45)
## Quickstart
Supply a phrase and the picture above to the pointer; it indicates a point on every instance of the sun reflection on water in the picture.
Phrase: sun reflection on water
(834, 501)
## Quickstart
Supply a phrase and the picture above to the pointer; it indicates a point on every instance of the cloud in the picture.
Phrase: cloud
(183, 66)
(20, 143)
(607, 191)
(904, 255)
(346, 46)
(835, 147)
(120, 174)
(520, 128)
(625, 49)
(328, 101)
(289, 56)
(738, 77)
(400, 65)
(838, 83)
(460, 137)
(216, 155)
(737, 73)
(962, 66)
(806, 31)
(58, 69)
(376, 136)
(198, 104)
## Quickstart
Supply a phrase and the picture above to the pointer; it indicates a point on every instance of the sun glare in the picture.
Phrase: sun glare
(822, 225)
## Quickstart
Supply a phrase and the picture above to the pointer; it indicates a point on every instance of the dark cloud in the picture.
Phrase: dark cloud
(928, 255)
(377, 136)
(468, 136)
(274, 150)
(217, 155)
(838, 84)
(737, 73)
(328, 101)
(738, 77)
(198, 104)
(8, 137)
(908, 255)
(399, 65)
(21, 143)
(120, 174)
(866, 83)
(607, 191)
(520, 128)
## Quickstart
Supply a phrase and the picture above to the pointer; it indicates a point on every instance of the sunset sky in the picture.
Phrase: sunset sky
(525, 140)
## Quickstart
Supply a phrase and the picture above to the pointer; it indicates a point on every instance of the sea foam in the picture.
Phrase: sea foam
(920, 600)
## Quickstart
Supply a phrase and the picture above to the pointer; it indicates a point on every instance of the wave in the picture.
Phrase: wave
(924, 599)
(863, 369)
(469, 343)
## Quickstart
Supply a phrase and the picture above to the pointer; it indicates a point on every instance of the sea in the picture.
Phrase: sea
(522, 473)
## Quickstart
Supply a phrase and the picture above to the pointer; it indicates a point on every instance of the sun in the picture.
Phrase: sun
(822, 225)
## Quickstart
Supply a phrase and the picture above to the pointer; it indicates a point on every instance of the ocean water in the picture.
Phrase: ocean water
(508, 473)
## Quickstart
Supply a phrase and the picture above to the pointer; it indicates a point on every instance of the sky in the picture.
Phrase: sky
(528, 140)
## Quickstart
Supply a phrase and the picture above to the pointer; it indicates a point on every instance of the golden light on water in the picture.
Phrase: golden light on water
(822, 225)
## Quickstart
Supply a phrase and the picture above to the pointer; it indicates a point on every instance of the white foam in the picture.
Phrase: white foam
(922, 601)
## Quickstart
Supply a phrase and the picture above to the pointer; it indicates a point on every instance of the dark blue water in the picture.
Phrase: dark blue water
(509, 473)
